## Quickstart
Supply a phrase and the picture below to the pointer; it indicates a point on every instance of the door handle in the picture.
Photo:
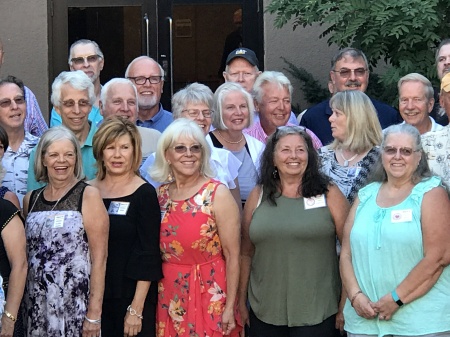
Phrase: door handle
(147, 36)
(171, 53)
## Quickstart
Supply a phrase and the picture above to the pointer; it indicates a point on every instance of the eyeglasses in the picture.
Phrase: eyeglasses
(195, 112)
(82, 59)
(404, 151)
(197, 148)
(70, 103)
(245, 75)
(346, 73)
(140, 80)
(6, 103)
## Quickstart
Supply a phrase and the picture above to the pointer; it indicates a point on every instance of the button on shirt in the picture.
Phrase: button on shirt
(16, 165)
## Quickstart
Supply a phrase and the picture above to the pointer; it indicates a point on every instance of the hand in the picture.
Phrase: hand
(339, 324)
(7, 327)
(132, 325)
(243, 312)
(91, 329)
(228, 321)
(385, 307)
(364, 307)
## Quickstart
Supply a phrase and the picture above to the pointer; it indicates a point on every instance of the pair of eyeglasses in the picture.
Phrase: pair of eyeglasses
(6, 103)
(140, 80)
(346, 73)
(404, 151)
(195, 112)
(70, 103)
(197, 148)
(82, 59)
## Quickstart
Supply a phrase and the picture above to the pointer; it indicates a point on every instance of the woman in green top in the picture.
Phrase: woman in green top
(289, 265)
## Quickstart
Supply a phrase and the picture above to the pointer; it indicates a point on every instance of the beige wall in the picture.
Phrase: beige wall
(23, 29)
(301, 47)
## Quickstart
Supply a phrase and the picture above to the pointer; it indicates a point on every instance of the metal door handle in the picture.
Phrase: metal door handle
(147, 37)
(171, 54)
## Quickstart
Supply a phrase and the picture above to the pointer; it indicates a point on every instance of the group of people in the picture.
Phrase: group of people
(224, 216)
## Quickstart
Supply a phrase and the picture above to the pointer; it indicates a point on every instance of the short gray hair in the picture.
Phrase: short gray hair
(142, 58)
(98, 51)
(274, 77)
(219, 97)
(105, 89)
(352, 52)
(77, 80)
(416, 77)
(195, 93)
(50, 136)
(181, 127)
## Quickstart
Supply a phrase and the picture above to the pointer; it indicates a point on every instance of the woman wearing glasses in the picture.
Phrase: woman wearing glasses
(199, 241)
(195, 102)
(349, 159)
(289, 265)
(395, 254)
(233, 112)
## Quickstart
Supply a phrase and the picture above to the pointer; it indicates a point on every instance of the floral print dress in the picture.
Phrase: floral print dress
(192, 294)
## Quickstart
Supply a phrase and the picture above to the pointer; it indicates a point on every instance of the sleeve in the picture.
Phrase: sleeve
(55, 118)
(34, 120)
(315, 140)
(7, 212)
(145, 260)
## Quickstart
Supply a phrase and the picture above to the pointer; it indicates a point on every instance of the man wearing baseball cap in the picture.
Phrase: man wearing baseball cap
(436, 145)
(242, 66)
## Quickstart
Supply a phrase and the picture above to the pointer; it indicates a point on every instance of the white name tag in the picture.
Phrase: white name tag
(315, 202)
(118, 208)
(57, 221)
(402, 215)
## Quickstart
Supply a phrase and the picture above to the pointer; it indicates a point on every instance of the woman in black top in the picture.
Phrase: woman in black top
(134, 264)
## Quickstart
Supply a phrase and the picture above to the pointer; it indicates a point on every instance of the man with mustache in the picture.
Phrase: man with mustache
(416, 101)
(442, 67)
(349, 71)
(148, 77)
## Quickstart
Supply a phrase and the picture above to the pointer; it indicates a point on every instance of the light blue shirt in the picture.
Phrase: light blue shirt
(159, 122)
(94, 116)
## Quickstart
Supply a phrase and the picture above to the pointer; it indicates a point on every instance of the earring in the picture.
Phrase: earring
(275, 173)
(170, 176)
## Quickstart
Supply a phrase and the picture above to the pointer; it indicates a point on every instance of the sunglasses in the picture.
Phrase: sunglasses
(346, 73)
(6, 103)
(404, 151)
(82, 59)
(197, 148)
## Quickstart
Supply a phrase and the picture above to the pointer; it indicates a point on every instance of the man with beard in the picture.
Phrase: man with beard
(148, 77)
(349, 71)
(442, 67)
(85, 55)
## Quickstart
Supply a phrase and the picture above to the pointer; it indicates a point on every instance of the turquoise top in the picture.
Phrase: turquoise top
(94, 116)
(384, 251)
(87, 156)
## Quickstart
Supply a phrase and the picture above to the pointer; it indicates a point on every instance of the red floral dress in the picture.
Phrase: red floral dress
(192, 294)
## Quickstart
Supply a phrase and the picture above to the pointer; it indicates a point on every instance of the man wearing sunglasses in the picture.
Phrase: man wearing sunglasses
(148, 77)
(349, 71)
(34, 121)
(85, 55)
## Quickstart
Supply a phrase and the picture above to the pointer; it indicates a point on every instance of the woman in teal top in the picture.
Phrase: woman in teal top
(289, 263)
(395, 254)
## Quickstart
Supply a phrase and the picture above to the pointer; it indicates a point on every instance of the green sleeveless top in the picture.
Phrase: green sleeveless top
(294, 277)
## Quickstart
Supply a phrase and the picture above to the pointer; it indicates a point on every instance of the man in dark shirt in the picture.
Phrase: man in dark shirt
(349, 71)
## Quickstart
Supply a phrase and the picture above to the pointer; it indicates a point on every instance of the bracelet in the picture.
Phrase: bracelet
(9, 315)
(93, 321)
(354, 297)
(133, 312)
(396, 298)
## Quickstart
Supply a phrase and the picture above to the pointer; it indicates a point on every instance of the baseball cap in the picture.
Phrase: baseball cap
(245, 53)
(445, 83)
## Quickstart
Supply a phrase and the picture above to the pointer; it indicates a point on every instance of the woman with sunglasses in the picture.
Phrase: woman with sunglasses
(199, 241)
(289, 265)
(395, 254)
(350, 158)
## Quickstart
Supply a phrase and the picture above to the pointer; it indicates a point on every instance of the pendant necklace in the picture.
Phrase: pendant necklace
(347, 161)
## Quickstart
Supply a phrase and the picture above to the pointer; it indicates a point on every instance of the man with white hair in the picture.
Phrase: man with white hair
(73, 96)
(85, 55)
(148, 77)
(119, 98)
(272, 95)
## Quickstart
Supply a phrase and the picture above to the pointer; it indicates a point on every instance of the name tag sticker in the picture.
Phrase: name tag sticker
(315, 202)
(118, 208)
(163, 214)
(402, 215)
(58, 221)
(353, 172)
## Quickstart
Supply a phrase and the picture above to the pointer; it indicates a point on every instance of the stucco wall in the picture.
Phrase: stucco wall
(301, 47)
(23, 30)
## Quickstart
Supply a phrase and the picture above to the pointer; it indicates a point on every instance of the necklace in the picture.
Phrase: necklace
(230, 141)
(347, 161)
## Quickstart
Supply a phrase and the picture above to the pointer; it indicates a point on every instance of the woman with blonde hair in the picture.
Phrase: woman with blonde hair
(357, 135)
